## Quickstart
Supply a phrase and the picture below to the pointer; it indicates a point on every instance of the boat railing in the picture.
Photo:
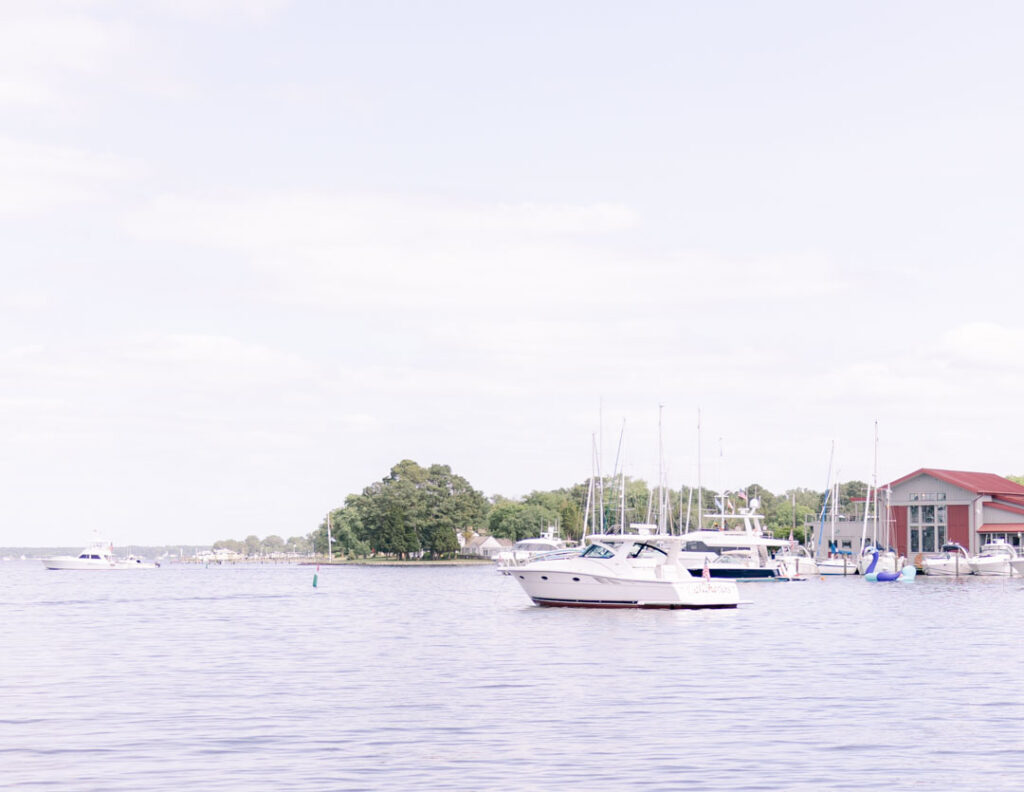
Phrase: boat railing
(553, 555)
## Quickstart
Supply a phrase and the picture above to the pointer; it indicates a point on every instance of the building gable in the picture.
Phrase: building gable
(923, 486)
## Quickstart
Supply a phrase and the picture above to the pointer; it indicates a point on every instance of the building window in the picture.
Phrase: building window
(1011, 539)
(927, 496)
(927, 528)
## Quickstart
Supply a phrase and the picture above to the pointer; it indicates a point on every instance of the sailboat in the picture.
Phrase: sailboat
(838, 562)
(878, 557)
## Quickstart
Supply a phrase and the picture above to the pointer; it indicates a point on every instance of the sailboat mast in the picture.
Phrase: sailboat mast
(828, 494)
(874, 486)
(600, 453)
(700, 491)
(661, 476)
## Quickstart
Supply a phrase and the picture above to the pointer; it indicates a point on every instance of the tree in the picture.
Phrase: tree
(252, 545)
(230, 544)
(272, 544)
(298, 544)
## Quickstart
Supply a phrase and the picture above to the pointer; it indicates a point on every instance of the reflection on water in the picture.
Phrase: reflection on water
(448, 678)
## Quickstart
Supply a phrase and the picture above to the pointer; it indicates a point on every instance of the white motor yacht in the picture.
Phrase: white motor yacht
(953, 562)
(735, 548)
(95, 556)
(994, 560)
(98, 557)
(623, 572)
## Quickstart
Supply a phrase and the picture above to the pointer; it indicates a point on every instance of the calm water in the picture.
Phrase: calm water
(248, 678)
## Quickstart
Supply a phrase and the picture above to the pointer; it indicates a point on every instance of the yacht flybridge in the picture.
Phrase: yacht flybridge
(623, 571)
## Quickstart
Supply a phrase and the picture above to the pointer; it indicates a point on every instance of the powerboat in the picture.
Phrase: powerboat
(838, 564)
(794, 562)
(994, 560)
(97, 556)
(136, 562)
(953, 562)
(741, 552)
(526, 550)
(623, 572)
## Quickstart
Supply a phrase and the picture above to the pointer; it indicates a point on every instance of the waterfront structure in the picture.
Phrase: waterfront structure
(930, 507)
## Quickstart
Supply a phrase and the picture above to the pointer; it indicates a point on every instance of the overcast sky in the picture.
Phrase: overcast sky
(254, 253)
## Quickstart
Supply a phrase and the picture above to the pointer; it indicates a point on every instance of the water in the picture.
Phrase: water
(248, 678)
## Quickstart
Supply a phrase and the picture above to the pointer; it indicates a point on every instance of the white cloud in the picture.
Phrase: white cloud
(36, 177)
(212, 10)
(513, 258)
(41, 52)
(986, 345)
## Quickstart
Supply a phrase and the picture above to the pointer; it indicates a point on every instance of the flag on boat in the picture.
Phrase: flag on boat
(742, 494)
(707, 572)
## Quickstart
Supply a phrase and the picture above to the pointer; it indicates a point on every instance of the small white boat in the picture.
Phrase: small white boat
(795, 562)
(135, 562)
(632, 572)
(994, 560)
(841, 564)
(97, 557)
(953, 562)
(526, 550)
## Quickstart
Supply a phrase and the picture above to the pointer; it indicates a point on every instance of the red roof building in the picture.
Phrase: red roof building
(930, 507)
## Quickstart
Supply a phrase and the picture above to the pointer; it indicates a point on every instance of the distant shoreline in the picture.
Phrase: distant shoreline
(394, 562)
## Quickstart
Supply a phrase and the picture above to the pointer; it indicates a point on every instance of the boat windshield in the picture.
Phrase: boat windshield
(644, 550)
(597, 551)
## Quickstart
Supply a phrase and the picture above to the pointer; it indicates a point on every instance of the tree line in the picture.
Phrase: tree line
(420, 511)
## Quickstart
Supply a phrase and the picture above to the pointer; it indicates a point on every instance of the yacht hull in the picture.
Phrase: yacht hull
(992, 568)
(834, 566)
(736, 573)
(577, 589)
(75, 563)
(945, 568)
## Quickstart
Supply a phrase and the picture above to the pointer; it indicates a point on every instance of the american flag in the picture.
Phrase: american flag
(707, 572)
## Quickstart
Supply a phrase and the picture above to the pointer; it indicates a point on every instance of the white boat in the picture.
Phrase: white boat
(873, 554)
(839, 564)
(732, 551)
(794, 562)
(136, 562)
(526, 550)
(994, 560)
(623, 572)
(98, 557)
(953, 562)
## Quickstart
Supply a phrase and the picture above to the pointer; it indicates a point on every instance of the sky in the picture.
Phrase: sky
(256, 252)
